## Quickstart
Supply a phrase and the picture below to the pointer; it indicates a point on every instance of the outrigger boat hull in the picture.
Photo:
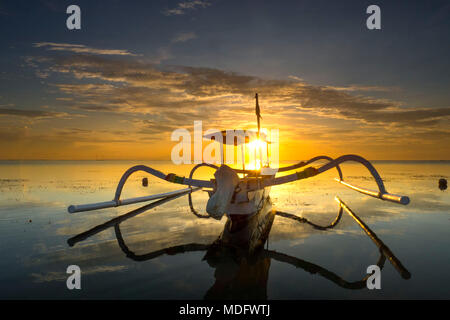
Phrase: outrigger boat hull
(249, 232)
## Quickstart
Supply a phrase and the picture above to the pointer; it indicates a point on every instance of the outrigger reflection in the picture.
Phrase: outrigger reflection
(242, 195)
(240, 255)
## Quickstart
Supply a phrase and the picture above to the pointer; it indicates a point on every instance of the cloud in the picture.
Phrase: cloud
(80, 48)
(184, 36)
(174, 96)
(63, 137)
(185, 6)
(362, 88)
(295, 78)
(162, 54)
(135, 86)
(37, 114)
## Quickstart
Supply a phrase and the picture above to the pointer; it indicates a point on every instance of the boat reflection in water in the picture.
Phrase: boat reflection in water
(240, 254)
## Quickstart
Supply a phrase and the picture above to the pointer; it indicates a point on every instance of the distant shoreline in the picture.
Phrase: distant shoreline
(147, 160)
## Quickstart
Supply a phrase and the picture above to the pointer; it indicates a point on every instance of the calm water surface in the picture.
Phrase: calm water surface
(35, 227)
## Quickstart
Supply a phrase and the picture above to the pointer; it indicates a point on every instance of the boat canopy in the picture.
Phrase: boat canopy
(239, 136)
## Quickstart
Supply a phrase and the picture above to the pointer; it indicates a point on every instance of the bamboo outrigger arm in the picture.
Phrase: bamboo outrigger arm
(117, 203)
(306, 173)
(255, 184)
(310, 172)
(382, 192)
(169, 177)
(296, 166)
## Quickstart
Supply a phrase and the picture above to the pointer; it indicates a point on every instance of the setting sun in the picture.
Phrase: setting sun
(256, 154)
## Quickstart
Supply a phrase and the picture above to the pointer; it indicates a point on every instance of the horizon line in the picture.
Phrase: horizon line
(436, 160)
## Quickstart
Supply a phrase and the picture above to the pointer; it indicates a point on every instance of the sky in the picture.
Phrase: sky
(138, 70)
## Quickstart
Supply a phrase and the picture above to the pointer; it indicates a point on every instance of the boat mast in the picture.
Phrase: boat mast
(258, 117)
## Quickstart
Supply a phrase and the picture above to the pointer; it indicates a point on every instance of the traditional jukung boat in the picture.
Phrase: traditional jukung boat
(243, 196)
(246, 202)
(244, 199)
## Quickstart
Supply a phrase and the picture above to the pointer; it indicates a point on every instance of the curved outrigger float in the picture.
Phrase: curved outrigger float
(245, 200)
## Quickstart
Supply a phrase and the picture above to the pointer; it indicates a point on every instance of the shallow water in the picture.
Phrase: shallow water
(35, 227)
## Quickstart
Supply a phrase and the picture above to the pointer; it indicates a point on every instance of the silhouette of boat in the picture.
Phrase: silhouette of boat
(241, 198)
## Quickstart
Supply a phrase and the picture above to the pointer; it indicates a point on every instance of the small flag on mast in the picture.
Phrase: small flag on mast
(258, 113)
